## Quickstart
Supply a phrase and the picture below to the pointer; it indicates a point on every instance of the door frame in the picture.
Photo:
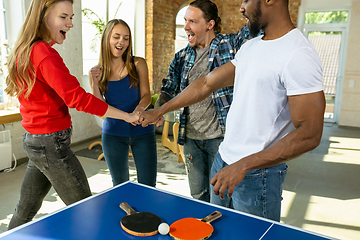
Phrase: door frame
(343, 28)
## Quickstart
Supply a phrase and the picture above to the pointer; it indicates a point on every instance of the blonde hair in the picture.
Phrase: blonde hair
(106, 56)
(22, 74)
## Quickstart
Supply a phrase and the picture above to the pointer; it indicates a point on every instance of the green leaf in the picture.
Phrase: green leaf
(97, 22)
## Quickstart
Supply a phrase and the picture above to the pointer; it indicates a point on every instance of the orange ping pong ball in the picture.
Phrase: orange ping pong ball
(163, 228)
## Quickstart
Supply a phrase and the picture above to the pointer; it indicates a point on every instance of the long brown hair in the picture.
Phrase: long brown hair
(21, 71)
(106, 56)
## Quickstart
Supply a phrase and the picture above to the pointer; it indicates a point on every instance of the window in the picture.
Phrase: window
(181, 39)
(3, 51)
(326, 17)
(94, 17)
(90, 37)
(326, 30)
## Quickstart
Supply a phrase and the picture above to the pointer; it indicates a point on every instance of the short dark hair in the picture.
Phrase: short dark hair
(210, 11)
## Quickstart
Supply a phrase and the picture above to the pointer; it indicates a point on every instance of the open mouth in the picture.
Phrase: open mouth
(63, 33)
(119, 48)
(190, 36)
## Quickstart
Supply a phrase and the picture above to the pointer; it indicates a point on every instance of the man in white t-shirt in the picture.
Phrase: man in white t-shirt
(277, 82)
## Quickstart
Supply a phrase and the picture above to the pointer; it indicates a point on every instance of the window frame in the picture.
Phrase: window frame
(3, 47)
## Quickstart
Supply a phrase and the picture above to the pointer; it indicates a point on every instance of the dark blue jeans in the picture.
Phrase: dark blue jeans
(260, 193)
(199, 157)
(143, 148)
(51, 163)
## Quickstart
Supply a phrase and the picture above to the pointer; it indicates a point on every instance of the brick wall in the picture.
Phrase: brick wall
(231, 18)
(160, 30)
(160, 35)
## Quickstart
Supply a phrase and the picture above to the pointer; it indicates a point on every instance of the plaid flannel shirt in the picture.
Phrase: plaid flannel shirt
(222, 49)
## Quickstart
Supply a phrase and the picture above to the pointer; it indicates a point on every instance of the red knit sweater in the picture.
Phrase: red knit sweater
(46, 108)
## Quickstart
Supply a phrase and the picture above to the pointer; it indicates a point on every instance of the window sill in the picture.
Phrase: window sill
(10, 116)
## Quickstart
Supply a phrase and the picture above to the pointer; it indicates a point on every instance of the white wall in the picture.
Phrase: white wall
(350, 108)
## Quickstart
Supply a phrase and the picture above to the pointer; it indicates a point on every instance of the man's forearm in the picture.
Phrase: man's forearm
(195, 92)
(198, 90)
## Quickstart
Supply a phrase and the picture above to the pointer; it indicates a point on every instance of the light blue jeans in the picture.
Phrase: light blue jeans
(199, 157)
(143, 148)
(258, 194)
(51, 163)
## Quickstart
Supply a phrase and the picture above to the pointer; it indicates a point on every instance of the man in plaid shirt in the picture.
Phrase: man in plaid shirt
(203, 123)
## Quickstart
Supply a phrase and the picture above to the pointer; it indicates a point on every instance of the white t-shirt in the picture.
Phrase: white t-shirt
(266, 73)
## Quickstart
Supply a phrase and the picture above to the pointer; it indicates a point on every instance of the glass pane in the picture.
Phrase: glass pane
(2, 48)
(181, 37)
(90, 33)
(180, 16)
(326, 17)
(327, 44)
(5, 27)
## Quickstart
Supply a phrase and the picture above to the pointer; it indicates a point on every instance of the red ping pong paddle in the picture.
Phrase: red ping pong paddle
(141, 224)
(192, 228)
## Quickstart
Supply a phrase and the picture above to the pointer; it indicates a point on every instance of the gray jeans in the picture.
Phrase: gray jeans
(51, 163)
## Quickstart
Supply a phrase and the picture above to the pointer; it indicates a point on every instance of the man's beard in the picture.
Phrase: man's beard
(255, 26)
(254, 29)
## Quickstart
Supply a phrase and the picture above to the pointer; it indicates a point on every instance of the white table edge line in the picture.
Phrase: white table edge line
(266, 231)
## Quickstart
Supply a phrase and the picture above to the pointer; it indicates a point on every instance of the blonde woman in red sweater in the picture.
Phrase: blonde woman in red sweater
(46, 89)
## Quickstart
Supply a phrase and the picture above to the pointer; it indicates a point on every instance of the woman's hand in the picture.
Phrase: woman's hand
(96, 74)
(133, 118)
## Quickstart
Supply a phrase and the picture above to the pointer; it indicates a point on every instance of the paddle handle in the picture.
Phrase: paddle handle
(124, 206)
(215, 215)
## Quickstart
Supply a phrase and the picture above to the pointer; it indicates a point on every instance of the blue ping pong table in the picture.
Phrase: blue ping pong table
(98, 217)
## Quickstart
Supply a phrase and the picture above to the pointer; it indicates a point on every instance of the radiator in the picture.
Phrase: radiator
(5, 150)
